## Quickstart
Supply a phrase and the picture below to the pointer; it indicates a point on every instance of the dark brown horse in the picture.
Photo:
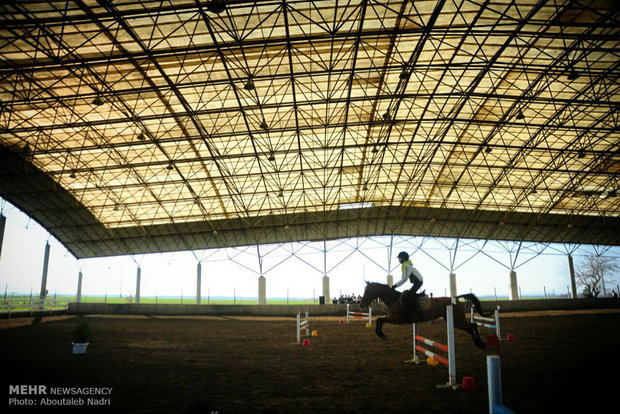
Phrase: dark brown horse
(397, 315)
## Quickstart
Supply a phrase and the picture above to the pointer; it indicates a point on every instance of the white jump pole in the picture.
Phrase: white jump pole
(415, 333)
(494, 379)
(451, 354)
(450, 344)
(497, 329)
(301, 326)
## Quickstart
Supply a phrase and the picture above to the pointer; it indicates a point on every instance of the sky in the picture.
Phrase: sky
(292, 270)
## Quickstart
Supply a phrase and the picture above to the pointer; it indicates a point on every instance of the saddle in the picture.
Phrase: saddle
(424, 302)
(415, 304)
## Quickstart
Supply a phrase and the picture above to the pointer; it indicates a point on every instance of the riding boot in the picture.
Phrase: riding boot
(413, 305)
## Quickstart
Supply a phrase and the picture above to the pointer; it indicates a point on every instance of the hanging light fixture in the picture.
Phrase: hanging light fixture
(216, 6)
(573, 75)
(520, 115)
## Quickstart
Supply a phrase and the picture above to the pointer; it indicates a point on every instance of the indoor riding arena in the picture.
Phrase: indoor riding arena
(560, 362)
(183, 181)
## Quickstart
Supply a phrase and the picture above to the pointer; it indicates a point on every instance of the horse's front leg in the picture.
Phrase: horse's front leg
(379, 330)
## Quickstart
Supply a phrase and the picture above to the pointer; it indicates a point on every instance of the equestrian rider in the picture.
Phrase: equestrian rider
(408, 297)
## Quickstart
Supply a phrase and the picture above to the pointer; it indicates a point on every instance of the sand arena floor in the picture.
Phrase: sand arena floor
(560, 362)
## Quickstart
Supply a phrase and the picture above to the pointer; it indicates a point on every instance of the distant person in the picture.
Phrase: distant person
(408, 298)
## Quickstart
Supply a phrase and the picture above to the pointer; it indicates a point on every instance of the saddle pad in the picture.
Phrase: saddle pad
(424, 302)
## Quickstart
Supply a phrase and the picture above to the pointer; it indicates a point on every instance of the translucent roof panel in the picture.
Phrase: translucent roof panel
(139, 126)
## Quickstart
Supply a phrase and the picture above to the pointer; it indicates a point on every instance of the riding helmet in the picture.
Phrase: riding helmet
(402, 256)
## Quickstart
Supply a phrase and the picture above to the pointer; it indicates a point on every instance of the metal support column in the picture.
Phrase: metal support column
(78, 297)
(452, 274)
(198, 283)
(46, 259)
(262, 281)
(452, 284)
(390, 278)
(571, 271)
(2, 226)
(138, 276)
(514, 287)
(262, 290)
(325, 278)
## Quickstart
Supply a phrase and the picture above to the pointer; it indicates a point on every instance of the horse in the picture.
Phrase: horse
(398, 315)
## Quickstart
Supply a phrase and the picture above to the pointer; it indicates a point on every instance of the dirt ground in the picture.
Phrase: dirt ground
(560, 362)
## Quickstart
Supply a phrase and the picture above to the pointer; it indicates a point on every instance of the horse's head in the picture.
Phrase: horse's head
(370, 294)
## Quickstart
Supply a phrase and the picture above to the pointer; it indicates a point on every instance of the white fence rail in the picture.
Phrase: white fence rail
(31, 305)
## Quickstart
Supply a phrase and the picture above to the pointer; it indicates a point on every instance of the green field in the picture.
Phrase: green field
(192, 301)
(150, 300)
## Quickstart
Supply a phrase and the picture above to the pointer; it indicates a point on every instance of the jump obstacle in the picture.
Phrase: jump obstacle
(491, 323)
(302, 325)
(450, 361)
(359, 315)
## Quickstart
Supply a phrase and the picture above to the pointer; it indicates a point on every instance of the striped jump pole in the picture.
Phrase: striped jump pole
(302, 325)
(448, 348)
(359, 315)
(491, 323)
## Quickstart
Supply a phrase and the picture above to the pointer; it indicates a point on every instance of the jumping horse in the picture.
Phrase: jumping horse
(397, 314)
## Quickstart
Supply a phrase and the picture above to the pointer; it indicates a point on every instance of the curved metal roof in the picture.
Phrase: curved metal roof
(138, 126)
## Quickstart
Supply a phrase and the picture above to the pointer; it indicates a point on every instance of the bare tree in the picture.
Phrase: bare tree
(594, 271)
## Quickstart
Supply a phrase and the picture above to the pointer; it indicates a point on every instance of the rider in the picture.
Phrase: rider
(408, 298)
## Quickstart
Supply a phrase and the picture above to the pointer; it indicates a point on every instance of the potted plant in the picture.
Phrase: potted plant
(81, 336)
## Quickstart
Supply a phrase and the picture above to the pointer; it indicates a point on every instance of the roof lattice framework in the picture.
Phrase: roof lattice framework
(137, 126)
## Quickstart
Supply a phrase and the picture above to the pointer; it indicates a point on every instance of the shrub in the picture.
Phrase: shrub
(82, 332)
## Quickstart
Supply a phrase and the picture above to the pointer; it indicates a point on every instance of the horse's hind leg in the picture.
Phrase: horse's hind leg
(475, 334)
(461, 322)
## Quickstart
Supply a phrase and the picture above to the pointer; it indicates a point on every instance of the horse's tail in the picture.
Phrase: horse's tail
(470, 297)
